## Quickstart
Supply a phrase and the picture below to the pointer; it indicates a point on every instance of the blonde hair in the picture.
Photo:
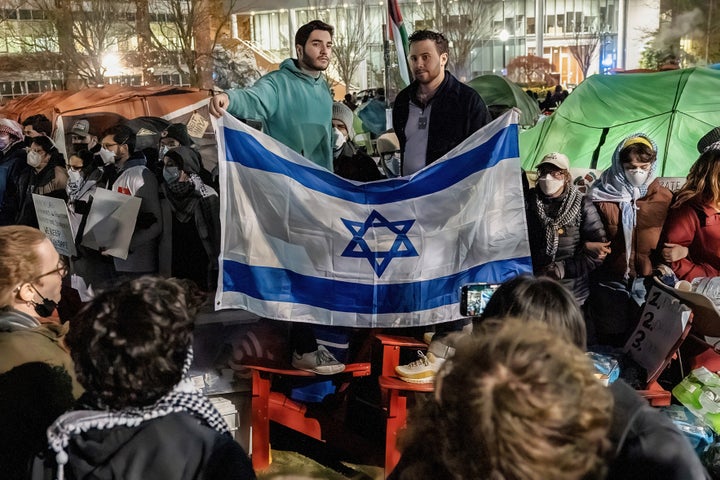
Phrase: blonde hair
(19, 262)
(516, 401)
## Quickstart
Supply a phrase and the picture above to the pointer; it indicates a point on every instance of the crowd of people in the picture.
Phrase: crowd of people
(516, 398)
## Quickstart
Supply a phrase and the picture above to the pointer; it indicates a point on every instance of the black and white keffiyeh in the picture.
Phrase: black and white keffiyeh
(184, 397)
(568, 214)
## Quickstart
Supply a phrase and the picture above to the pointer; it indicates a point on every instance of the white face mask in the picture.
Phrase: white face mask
(338, 138)
(74, 177)
(107, 156)
(34, 159)
(550, 185)
(163, 150)
(637, 176)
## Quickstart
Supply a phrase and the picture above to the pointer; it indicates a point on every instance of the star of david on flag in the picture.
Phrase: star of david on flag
(302, 244)
(358, 246)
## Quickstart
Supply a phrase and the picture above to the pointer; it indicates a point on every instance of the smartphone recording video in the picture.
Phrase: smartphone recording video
(474, 298)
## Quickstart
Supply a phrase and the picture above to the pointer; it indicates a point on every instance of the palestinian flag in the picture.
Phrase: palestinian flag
(398, 34)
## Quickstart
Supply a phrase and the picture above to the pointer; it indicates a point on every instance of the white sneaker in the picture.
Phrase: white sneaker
(321, 361)
(422, 370)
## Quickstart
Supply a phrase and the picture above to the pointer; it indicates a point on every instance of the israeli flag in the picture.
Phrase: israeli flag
(300, 243)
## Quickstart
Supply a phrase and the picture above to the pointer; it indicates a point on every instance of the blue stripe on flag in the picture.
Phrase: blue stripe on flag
(244, 149)
(282, 285)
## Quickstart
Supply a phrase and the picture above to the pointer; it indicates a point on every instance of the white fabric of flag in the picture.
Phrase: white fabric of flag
(300, 243)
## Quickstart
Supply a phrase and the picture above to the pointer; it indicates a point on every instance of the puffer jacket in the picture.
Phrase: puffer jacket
(652, 210)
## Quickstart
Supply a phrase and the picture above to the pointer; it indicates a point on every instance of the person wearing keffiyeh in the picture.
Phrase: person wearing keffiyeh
(190, 242)
(560, 222)
(633, 206)
(140, 415)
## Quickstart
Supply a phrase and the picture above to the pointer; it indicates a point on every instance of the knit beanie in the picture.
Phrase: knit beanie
(387, 142)
(713, 136)
(12, 128)
(345, 115)
(179, 132)
(185, 158)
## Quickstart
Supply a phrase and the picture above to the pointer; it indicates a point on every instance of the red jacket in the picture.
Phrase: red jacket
(696, 227)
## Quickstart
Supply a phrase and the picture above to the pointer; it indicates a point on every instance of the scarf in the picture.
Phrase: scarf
(184, 196)
(613, 186)
(182, 398)
(568, 214)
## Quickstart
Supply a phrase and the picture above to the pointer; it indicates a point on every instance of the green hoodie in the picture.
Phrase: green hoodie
(295, 109)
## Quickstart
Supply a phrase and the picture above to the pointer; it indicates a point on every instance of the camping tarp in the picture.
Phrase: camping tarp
(109, 104)
(675, 108)
(497, 91)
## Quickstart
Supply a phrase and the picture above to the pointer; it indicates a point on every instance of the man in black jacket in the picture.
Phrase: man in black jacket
(436, 112)
(433, 115)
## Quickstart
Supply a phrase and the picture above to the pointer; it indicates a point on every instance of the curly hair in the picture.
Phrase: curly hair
(542, 299)
(441, 43)
(130, 342)
(514, 402)
(18, 263)
(703, 180)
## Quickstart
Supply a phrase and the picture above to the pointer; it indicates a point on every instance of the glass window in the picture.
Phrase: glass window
(531, 26)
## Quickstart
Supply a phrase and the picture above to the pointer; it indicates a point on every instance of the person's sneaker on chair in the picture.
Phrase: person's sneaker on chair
(321, 361)
(422, 370)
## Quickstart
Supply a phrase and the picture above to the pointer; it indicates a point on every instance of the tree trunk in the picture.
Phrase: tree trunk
(66, 44)
(142, 24)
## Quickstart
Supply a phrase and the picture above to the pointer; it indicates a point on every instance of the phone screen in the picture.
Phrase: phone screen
(474, 297)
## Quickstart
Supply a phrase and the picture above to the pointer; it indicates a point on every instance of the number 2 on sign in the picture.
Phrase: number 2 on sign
(647, 325)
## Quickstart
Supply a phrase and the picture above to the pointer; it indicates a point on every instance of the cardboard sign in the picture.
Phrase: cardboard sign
(659, 332)
(53, 221)
(111, 222)
(197, 125)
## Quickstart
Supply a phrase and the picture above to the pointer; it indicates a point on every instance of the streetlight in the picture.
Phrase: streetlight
(504, 35)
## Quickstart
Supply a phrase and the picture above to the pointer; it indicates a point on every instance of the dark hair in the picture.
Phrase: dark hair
(303, 33)
(45, 143)
(441, 43)
(122, 135)
(514, 401)
(703, 180)
(638, 151)
(40, 123)
(542, 299)
(130, 342)
(87, 158)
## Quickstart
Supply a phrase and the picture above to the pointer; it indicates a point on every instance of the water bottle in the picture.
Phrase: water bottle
(708, 286)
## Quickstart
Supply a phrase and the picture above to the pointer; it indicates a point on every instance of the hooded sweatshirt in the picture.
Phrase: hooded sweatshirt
(294, 107)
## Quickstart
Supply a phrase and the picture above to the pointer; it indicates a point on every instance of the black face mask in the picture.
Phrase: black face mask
(46, 308)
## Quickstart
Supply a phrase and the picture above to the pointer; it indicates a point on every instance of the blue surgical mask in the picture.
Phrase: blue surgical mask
(171, 174)
(163, 150)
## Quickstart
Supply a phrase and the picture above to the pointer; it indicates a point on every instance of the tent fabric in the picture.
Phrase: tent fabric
(496, 90)
(675, 108)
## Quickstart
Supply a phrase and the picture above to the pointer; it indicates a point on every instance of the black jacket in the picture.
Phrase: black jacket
(13, 165)
(174, 447)
(647, 444)
(457, 112)
(577, 260)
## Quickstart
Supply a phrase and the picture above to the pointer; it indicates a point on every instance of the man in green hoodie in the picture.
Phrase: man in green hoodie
(293, 103)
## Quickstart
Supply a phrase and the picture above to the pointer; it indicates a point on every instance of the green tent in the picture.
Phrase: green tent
(500, 94)
(675, 108)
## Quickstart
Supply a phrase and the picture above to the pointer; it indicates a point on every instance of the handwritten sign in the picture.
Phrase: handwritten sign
(197, 125)
(53, 221)
(659, 331)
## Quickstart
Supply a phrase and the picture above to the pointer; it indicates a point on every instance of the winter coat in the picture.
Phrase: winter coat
(176, 446)
(23, 339)
(137, 180)
(696, 227)
(13, 162)
(50, 181)
(577, 261)
(652, 210)
(457, 112)
(295, 109)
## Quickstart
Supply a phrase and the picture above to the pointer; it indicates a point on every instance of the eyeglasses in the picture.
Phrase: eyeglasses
(558, 174)
(62, 270)
(75, 168)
